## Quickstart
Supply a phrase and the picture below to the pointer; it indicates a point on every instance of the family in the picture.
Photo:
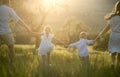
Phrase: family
(46, 45)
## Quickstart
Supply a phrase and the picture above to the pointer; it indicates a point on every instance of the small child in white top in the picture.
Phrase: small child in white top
(82, 44)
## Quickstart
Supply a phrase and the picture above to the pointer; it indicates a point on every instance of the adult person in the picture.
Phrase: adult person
(113, 21)
(6, 13)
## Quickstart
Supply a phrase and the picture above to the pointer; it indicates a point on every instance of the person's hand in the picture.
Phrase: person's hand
(68, 49)
(91, 44)
(98, 37)
(65, 46)
(33, 33)
(36, 34)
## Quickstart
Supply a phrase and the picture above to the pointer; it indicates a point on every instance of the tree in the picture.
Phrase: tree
(45, 9)
(72, 28)
(35, 12)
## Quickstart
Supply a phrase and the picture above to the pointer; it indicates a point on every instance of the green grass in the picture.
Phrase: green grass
(64, 64)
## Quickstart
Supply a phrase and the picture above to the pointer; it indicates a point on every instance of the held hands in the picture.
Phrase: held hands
(29, 30)
(33, 33)
(36, 33)
(67, 47)
(94, 40)
(98, 37)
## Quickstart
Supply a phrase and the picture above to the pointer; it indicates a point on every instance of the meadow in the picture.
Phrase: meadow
(63, 64)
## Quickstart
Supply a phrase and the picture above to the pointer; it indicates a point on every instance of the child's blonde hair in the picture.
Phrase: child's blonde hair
(47, 27)
(83, 34)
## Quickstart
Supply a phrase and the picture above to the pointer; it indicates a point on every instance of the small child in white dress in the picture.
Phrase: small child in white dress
(82, 48)
(46, 45)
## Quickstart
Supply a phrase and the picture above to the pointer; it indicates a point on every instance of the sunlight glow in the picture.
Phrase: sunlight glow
(52, 3)
(54, 6)
(38, 6)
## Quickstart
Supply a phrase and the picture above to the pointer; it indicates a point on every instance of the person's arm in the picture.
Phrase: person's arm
(17, 19)
(54, 38)
(22, 23)
(73, 45)
(103, 32)
(36, 33)
(90, 42)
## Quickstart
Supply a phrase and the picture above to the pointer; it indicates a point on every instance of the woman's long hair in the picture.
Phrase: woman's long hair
(115, 12)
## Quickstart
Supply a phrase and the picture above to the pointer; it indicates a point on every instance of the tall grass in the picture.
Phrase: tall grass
(64, 64)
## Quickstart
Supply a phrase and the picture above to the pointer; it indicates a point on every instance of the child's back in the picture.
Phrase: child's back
(82, 47)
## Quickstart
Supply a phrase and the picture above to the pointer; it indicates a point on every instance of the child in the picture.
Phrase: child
(46, 45)
(82, 48)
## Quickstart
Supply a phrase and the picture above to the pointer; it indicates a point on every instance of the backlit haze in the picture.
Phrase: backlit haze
(92, 12)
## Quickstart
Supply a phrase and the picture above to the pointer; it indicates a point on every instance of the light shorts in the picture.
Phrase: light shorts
(7, 39)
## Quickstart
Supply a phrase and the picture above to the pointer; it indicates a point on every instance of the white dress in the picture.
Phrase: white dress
(46, 44)
(114, 40)
(82, 47)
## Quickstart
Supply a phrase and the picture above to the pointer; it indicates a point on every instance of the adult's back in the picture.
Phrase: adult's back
(6, 13)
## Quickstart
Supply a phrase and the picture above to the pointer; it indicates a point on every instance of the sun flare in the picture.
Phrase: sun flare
(52, 3)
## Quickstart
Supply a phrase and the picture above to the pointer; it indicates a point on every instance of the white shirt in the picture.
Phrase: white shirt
(6, 13)
(82, 46)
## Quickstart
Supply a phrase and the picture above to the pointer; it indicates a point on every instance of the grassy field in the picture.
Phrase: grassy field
(64, 64)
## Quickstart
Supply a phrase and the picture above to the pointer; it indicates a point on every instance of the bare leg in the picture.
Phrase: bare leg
(87, 64)
(11, 52)
(112, 56)
(81, 61)
(48, 57)
(86, 59)
(118, 59)
(44, 59)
